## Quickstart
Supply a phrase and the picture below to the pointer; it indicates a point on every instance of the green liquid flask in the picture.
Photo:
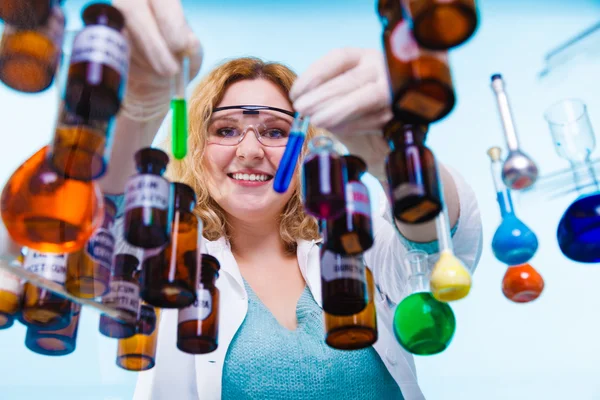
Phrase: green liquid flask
(423, 325)
(179, 108)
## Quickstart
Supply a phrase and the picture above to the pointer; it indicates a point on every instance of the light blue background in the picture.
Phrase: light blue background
(545, 350)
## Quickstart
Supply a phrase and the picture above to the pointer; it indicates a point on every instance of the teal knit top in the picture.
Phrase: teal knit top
(267, 361)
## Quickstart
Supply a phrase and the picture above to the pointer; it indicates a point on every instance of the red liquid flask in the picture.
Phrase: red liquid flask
(324, 180)
(352, 232)
(522, 283)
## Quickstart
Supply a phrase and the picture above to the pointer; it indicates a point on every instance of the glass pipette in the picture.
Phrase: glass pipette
(287, 166)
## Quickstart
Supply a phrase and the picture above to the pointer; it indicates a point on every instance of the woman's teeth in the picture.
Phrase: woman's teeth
(250, 177)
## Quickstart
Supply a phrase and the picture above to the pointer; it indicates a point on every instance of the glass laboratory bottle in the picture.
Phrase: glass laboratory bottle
(170, 278)
(41, 307)
(147, 194)
(99, 64)
(422, 324)
(198, 324)
(26, 13)
(513, 242)
(88, 269)
(442, 24)
(55, 342)
(324, 179)
(11, 291)
(352, 232)
(420, 81)
(47, 213)
(356, 331)
(138, 353)
(522, 283)
(29, 57)
(81, 147)
(579, 227)
(124, 294)
(343, 283)
(412, 175)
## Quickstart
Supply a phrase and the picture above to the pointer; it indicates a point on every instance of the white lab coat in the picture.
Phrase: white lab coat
(181, 376)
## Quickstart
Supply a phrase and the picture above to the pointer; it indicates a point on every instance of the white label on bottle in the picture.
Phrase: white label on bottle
(50, 266)
(200, 310)
(100, 247)
(146, 190)
(123, 295)
(407, 189)
(403, 44)
(104, 45)
(10, 283)
(335, 266)
(357, 199)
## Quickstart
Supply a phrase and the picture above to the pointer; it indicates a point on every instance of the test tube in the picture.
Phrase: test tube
(178, 106)
(287, 166)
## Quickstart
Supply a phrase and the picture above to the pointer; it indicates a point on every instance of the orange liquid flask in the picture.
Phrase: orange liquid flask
(47, 213)
(522, 283)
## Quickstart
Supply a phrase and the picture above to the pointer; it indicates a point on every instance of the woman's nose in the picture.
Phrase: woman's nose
(250, 147)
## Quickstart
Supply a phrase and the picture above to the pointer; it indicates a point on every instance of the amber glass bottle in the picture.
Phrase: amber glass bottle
(55, 342)
(29, 57)
(170, 278)
(124, 294)
(138, 353)
(198, 326)
(352, 232)
(442, 24)
(41, 307)
(26, 13)
(88, 270)
(343, 284)
(11, 290)
(147, 224)
(420, 80)
(99, 64)
(81, 147)
(412, 174)
(47, 213)
(355, 331)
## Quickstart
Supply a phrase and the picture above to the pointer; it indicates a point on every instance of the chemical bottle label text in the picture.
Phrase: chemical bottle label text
(123, 295)
(147, 191)
(104, 45)
(100, 247)
(10, 283)
(200, 310)
(357, 199)
(339, 267)
(50, 266)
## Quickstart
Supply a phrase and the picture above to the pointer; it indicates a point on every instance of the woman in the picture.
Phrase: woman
(271, 335)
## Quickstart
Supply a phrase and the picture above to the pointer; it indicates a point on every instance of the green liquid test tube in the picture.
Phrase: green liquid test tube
(179, 128)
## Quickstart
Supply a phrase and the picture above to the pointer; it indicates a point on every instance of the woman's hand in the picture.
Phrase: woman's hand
(346, 92)
(159, 35)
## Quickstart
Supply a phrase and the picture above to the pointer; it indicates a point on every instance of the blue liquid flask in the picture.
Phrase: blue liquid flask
(287, 166)
(513, 243)
(578, 232)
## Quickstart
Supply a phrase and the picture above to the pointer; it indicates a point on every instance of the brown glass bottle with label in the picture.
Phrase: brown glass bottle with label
(442, 24)
(99, 64)
(412, 175)
(41, 307)
(11, 291)
(55, 342)
(138, 352)
(88, 270)
(343, 283)
(124, 294)
(420, 80)
(198, 324)
(81, 147)
(29, 57)
(147, 198)
(356, 331)
(170, 278)
(352, 232)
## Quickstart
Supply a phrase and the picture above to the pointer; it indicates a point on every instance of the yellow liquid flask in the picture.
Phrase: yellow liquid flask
(47, 213)
(138, 353)
(450, 279)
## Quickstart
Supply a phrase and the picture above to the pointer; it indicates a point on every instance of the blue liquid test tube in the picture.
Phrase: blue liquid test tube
(288, 163)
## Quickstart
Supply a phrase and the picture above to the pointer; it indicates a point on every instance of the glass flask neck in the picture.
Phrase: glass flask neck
(584, 176)
(442, 225)
(185, 198)
(402, 135)
(355, 166)
(418, 265)
(502, 192)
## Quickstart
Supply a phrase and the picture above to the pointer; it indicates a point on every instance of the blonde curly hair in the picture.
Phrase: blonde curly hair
(294, 223)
